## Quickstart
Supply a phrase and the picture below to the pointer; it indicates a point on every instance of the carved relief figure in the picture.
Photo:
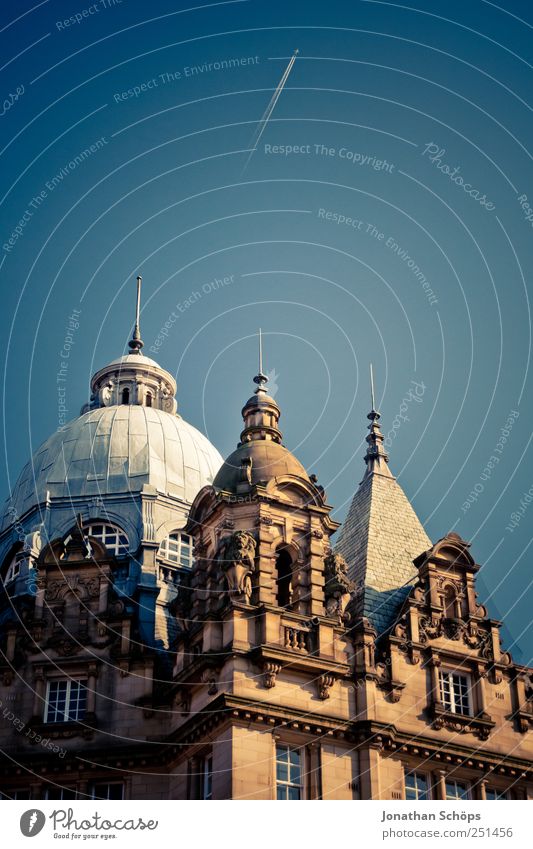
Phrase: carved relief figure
(237, 563)
(338, 587)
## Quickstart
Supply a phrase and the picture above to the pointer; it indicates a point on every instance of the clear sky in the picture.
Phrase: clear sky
(384, 216)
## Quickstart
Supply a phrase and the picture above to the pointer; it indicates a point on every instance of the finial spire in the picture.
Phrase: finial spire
(136, 342)
(376, 458)
(260, 413)
(260, 378)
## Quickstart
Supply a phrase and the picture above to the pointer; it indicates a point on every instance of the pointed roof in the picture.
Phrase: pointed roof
(381, 536)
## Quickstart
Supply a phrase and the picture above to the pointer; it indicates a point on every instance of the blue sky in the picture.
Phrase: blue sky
(383, 217)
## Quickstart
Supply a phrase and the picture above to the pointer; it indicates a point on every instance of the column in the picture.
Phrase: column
(439, 784)
(91, 689)
(38, 693)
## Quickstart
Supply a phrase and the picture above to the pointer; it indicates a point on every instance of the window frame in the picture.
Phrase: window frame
(82, 688)
(13, 570)
(174, 557)
(456, 782)
(62, 795)
(117, 548)
(499, 795)
(453, 703)
(107, 784)
(206, 777)
(416, 774)
(287, 784)
(13, 795)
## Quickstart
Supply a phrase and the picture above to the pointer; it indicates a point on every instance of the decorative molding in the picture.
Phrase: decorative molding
(480, 725)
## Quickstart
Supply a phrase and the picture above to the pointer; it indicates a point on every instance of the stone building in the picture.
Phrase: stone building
(176, 627)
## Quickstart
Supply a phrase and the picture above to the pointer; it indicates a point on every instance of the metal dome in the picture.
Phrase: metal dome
(117, 449)
(269, 460)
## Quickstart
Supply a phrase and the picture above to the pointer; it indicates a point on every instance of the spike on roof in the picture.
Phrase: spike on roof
(136, 343)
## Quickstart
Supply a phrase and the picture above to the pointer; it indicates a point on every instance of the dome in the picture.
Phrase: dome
(269, 460)
(117, 449)
(133, 359)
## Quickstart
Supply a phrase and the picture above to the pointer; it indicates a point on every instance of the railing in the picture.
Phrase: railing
(169, 574)
(297, 639)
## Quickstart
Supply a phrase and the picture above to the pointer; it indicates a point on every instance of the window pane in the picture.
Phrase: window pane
(282, 771)
(282, 753)
(66, 701)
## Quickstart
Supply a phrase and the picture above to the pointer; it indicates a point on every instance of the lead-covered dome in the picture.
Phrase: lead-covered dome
(128, 435)
(114, 450)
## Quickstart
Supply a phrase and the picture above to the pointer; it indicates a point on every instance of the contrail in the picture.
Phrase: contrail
(269, 110)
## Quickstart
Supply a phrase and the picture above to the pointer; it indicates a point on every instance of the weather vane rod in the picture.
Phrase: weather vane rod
(136, 342)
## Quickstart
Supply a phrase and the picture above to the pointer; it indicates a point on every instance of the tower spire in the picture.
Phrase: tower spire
(372, 387)
(136, 342)
(260, 378)
(376, 458)
(261, 413)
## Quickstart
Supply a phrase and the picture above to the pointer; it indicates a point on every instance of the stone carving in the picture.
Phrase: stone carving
(168, 402)
(246, 470)
(84, 589)
(270, 671)
(237, 563)
(338, 587)
(458, 727)
(105, 395)
(209, 677)
(65, 646)
(324, 684)
(265, 520)
(430, 628)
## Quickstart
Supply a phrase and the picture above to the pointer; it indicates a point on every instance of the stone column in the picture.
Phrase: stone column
(38, 693)
(480, 691)
(91, 688)
(369, 772)
(439, 784)
(435, 681)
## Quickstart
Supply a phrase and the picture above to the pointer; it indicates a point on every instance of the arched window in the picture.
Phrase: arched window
(284, 577)
(113, 537)
(12, 570)
(148, 399)
(177, 548)
(126, 396)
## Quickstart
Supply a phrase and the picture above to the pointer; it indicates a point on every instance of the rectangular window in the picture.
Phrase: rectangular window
(416, 786)
(289, 784)
(455, 692)
(60, 793)
(105, 790)
(457, 789)
(15, 794)
(207, 778)
(492, 793)
(66, 701)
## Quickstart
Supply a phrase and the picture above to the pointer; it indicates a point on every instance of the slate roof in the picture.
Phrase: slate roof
(380, 538)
